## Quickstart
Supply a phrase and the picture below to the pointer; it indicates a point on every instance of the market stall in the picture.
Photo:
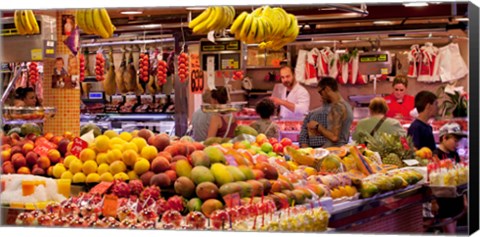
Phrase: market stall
(117, 153)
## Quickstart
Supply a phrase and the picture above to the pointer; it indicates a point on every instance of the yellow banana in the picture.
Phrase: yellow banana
(200, 18)
(80, 18)
(33, 21)
(237, 24)
(260, 30)
(227, 18)
(291, 28)
(279, 24)
(28, 27)
(89, 23)
(253, 30)
(257, 12)
(18, 23)
(246, 27)
(214, 20)
(285, 18)
(100, 28)
(107, 23)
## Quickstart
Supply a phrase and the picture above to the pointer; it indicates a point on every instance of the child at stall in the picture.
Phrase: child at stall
(266, 108)
(449, 209)
(420, 130)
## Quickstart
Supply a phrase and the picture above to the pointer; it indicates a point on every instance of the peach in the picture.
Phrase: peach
(17, 149)
(145, 134)
(38, 171)
(6, 146)
(43, 162)
(172, 175)
(23, 170)
(159, 164)
(166, 155)
(68, 135)
(56, 139)
(179, 157)
(6, 154)
(27, 147)
(31, 158)
(6, 140)
(18, 160)
(48, 136)
(50, 171)
(160, 141)
(54, 156)
(8, 168)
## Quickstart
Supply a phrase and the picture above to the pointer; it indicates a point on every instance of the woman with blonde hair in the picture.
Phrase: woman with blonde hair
(377, 122)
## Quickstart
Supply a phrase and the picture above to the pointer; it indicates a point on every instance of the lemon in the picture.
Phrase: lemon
(89, 167)
(140, 142)
(66, 175)
(102, 143)
(68, 160)
(114, 155)
(141, 166)
(76, 166)
(126, 136)
(58, 170)
(129, 157)
(87, 154)
(117, 146)
(149, 152)
(102, 158)
(130, 145)
(121, 176)
(117, 167)
(117, 140)
(93, 178)
(110, 133)
(79, 178)
(132, 175)
(102, 168)
(107, 176)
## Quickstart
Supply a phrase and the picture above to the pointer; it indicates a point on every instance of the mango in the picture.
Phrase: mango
(236, 173)
(221, 174)
(206, 190)
(215, 155)
(201, 174)
(245, 129)
(183, 168)
(257, 187)
(229, 189)
(211, 205)
(199, 158)
(195, 204)
(184, 186)
(246, 189)
(247, 171)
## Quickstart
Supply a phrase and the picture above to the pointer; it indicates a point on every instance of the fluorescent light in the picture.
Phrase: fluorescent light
(415, 4)
(328, 9)
(131, 12)
(383, 23)
(462, 19)
(195, 8)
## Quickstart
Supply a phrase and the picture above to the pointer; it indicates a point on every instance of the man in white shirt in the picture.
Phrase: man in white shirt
(293, 99)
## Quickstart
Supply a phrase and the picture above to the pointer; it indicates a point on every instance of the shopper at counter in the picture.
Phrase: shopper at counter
(221, 125)
(201, 120)
(25, 96)
(266, 108)
(399, 103)
(339, 117)
(420, 130)
(450, 134)
(294, 100)
(377, 122)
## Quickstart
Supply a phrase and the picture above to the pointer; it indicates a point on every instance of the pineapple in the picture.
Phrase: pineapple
(392, 148)
(392, 159)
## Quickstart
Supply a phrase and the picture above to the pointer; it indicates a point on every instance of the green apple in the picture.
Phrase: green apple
(267, 147)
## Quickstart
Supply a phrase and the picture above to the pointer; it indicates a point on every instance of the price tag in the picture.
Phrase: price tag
(232, 200)
(78, 146)
(384, 71)
(42, 146)
(101, 188)
(231, 160)
(36, 54)
(41, 150)
(110, 205)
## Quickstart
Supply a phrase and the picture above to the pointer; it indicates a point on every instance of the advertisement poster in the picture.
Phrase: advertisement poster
(66, 72)
(68, 24)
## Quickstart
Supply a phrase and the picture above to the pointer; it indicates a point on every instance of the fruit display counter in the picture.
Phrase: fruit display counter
(145, 180)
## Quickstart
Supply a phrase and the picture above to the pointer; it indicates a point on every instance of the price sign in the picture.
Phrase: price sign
(101, 188)
(42, 146)
(110, 205)
(78, 146)
(196, 75)
(232, 200)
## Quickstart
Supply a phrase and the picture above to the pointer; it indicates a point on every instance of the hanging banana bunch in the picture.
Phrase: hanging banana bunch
(213, 18)
(95, 21)
(272, 28)
(25, 22)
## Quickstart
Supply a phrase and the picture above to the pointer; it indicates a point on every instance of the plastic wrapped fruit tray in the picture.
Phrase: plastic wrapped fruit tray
(222, 108)
(27, 113)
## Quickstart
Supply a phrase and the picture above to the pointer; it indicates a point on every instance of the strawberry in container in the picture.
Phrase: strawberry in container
(81, 59)
(183, 67)
(33, 73)
(99, 66)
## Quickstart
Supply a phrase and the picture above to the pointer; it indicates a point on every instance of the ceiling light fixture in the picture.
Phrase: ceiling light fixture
(327, 9)
(131, 12)
(415, 4)
(195, 8)
(462, 19)
(383, 23)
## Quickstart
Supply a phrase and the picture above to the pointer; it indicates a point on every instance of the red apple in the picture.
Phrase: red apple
(286, 141)
(278, 148)
(273, 140)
